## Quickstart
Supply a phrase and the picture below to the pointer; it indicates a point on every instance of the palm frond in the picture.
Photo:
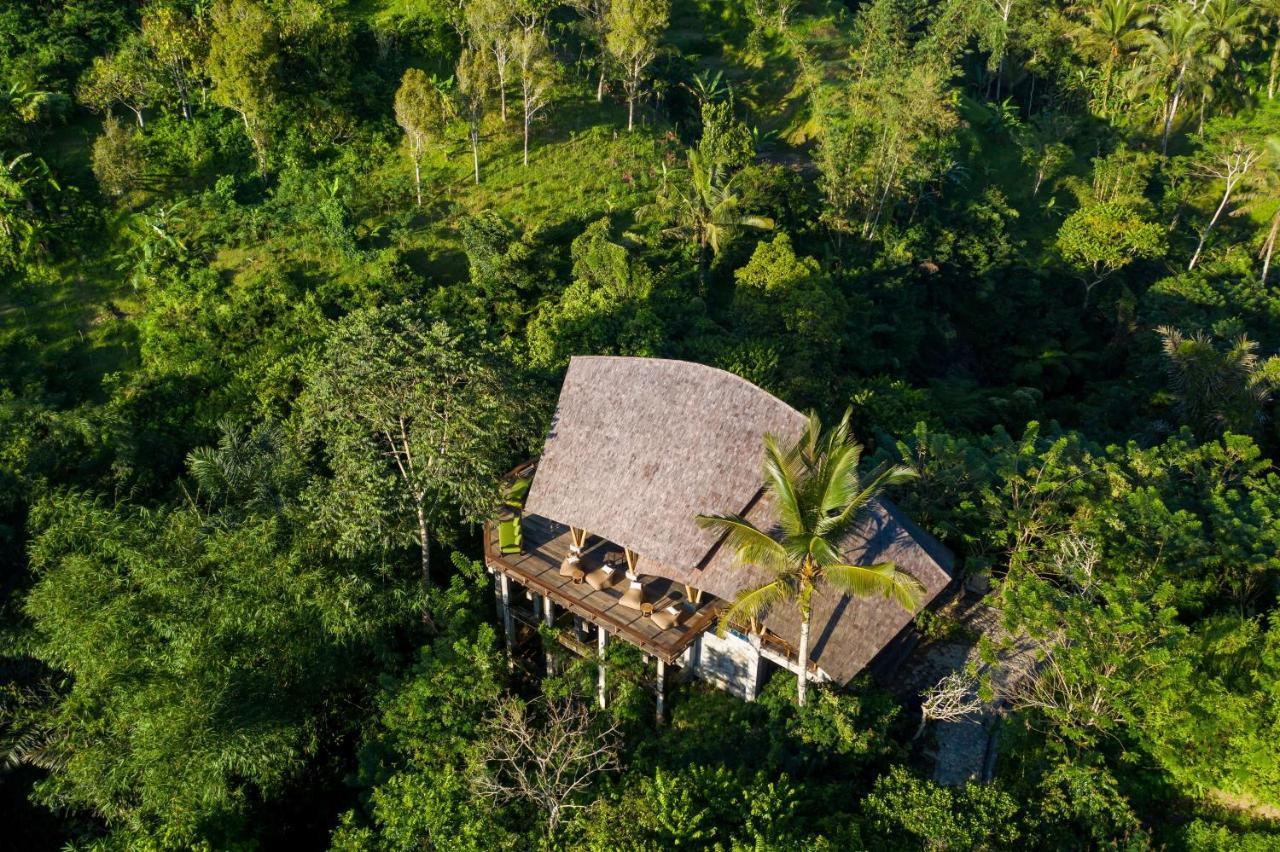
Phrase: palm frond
(753, 604)
(782, 475)
(839, 525)
(750, 546)
(883, 578)
(838, 479)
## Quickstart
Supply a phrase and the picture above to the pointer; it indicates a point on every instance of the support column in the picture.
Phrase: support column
(662, 688)
(601, 638)
(504, 607)
(549, 619)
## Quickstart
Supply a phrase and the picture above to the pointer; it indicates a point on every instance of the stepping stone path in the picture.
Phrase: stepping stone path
(965, 750)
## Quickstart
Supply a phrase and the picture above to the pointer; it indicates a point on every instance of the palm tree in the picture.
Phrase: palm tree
(1218, 389)
(1228, 27)
(1111, 31)
(22, 178)
(708, 211)
(1175, 60)
(820, 498)
(1269, 28)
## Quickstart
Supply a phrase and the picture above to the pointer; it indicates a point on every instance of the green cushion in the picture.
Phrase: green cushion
(510, 538)
(517, 492)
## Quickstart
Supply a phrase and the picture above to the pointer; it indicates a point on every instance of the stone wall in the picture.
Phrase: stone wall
(732, 663)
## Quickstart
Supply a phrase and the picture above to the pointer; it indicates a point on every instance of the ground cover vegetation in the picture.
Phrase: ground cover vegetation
(255, 254)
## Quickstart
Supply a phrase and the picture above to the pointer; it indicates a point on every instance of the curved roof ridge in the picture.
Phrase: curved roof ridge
(720, 374)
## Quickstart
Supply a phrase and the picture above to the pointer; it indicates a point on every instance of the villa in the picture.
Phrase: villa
(600, 532)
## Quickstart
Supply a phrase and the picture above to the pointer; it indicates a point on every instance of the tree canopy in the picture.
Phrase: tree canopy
(287, 288)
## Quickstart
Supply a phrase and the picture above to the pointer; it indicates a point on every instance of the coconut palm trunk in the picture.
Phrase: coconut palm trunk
(802, 653)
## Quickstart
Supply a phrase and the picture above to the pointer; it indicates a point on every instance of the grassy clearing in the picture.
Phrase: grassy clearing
(583, 164)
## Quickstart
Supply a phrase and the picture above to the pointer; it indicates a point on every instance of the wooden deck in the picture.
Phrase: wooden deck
(546, 543)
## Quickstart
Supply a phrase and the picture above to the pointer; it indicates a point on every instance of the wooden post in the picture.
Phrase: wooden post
(662, 688)
(601, 637)
(694, 595)
(549, 619)
(497, 591)
(632, 559)
(504, 606)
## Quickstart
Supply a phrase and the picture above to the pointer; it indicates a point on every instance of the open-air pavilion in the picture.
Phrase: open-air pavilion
(607, 537)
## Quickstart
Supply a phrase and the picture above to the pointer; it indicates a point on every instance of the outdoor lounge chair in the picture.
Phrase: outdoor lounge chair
(668, 617)
(603, 577)
(510, 535)
(634, 595)
(514, 495)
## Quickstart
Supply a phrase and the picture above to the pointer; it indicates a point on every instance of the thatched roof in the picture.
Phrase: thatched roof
(638, 447)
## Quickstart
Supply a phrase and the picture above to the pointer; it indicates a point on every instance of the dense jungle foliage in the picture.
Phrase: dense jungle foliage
(1030, 243)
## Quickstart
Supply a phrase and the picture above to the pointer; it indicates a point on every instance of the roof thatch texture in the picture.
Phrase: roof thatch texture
(638, 447)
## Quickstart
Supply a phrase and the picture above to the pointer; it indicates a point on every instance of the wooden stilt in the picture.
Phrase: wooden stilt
(508, 625)
(549, 619)
(601, 638)
(662, 689)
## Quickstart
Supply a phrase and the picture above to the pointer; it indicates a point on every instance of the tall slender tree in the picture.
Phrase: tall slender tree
(491, 27)
(177, 45)
(820, 498)
(1110, 32)
(1263, 193)
(1229, 160)
(595, 26)
(634, 30)
(475, 78)
(422, 111)
(537, 73)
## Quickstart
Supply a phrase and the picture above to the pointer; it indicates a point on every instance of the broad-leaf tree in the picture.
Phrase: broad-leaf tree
(820, 498)
(197, 651)
(243, 57)
(1099, 240)
(417, 426)
(125, 77)
(634, 30)
(423, 112)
